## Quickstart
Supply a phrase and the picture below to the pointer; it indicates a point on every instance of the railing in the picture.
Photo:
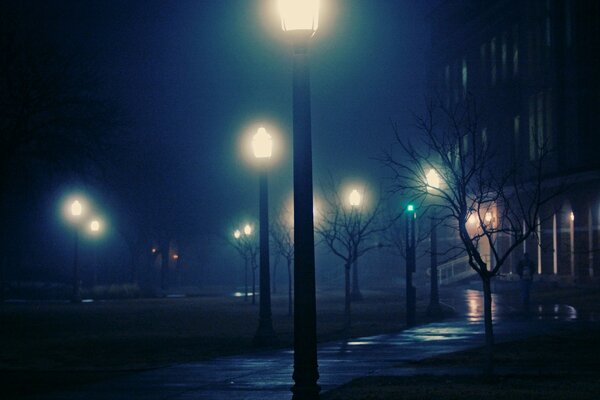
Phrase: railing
(454, 271)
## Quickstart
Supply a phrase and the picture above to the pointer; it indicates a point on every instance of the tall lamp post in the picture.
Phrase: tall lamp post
(355, 200)
(411, 295)
(76, 210)
(95, 230)
(433, 309)
(299, 19)
(262, 146)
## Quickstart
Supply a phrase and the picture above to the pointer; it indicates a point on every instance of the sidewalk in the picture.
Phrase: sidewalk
(267, 375)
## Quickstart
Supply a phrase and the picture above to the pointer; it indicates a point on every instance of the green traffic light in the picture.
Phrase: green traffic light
(410, 207)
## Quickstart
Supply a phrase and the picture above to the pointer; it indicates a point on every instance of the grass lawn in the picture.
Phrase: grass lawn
(133, 334)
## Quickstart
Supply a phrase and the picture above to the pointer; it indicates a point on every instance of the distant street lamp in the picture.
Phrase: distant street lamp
(355, 200)
(300, 19)
(433, 309)
(262, 146)
(76, 210)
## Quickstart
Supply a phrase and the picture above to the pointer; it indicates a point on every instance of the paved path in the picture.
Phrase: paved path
(267, 375)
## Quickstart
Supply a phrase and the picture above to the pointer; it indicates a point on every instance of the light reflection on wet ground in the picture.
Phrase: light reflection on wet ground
(504, 308)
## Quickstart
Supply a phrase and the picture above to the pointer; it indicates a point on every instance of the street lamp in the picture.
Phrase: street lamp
(300, 20)
(355, 198)
(262, 146)
(433, 309)
(247, 230)
(76, 210)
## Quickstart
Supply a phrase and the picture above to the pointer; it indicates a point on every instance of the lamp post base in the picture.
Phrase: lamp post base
(265, 336)
(434, 310)
(306, 392)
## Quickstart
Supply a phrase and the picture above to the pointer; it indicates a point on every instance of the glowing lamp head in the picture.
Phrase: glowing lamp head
(237, 234)
(410, 208)
(488, 217)
(472, 219)
(299, 15)
(153, 250)
(76, 208)
(433, 179)
(175, 256)
(355, 198)
(572, 216)
(247, 230)
(262, 144)
(95, 226)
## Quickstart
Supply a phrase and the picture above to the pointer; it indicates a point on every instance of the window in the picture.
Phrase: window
(455, 83)
(483, 52)
(549, 123)
(493, 60)
(532, 138)
(569, 23)
(548, 25)
(484, 139)
(504, 56)
(515, 56)
(516, 135)
(539, 123)
(464, 75)
(540, 139)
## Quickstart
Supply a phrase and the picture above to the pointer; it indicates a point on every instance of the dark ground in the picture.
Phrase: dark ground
(49, 346)
(551, 367)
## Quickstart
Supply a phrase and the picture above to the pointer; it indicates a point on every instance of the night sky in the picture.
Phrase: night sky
(194, 78)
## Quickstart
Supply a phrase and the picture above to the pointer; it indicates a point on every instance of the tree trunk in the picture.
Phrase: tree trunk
(274, 280)
(347, 312)
(289, 268)
(253, 285)
(245, 279)
(356, 294)
(164, 265)
(489, 328)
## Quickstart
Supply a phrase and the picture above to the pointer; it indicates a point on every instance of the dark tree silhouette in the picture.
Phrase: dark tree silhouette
(350, 231)
(282, 234)
(482, 197)
(247, 247)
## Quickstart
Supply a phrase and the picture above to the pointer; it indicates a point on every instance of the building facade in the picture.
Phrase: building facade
(533, 67)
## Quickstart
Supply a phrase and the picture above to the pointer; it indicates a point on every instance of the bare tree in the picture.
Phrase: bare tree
(282, 234)
(350, 226)
(247, 247)
(482, 197)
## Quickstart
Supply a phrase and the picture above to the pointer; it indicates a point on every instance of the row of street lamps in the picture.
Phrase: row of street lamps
(93, 225)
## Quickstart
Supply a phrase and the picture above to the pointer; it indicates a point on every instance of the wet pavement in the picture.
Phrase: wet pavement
(267, 375)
